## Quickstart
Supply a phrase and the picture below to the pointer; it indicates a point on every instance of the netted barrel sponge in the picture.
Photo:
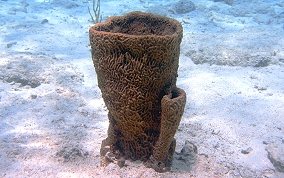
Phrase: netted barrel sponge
(136, 59)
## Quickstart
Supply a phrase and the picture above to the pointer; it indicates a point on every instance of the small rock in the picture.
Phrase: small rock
(8, 45)
(186, 158)
(276, 156)
(265, 142)
(33, 96)
(183, 6)
(188, 152)
(44, 21)
(104, 150)
(188, 148)
(121, 162)
(229, 2)
(247, 151)
(158, 9)
(109, 157)
(260, 88)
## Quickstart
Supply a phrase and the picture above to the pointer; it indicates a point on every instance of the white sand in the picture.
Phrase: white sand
(53, 119)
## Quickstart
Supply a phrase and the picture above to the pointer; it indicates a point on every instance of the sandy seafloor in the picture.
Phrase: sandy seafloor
(53, 119)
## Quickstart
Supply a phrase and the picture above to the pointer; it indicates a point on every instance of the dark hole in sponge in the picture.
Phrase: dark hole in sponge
(139, 24)
(175, 93)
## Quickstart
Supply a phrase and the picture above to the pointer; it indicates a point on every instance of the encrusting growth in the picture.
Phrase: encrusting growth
(136, 59)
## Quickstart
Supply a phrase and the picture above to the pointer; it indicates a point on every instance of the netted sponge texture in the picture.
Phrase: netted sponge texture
(136, 60)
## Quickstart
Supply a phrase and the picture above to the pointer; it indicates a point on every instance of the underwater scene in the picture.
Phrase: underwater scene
(142, 88)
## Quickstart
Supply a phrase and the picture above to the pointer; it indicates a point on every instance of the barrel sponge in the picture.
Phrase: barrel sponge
(136, 59)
